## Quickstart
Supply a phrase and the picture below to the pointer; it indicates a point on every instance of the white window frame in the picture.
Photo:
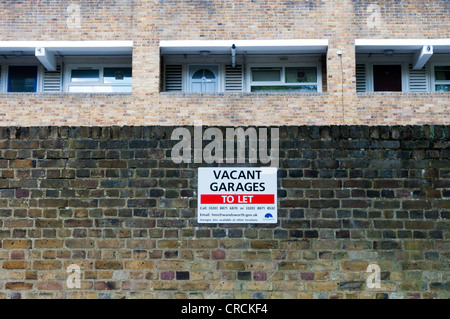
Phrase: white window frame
(261, 60)
(92, 66)
(5, 76)
(249, 81)
(404, 72)
(433, 75)
(369, 62)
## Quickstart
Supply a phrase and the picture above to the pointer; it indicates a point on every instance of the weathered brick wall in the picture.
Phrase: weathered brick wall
(48, 20)
(111, 200)
(146, 22)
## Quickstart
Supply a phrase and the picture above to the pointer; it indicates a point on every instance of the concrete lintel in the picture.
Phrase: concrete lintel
(46, 58)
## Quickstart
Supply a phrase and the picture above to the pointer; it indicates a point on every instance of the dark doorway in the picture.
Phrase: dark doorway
(387, 78)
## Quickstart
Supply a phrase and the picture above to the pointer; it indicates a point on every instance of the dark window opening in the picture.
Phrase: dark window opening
(22, 79)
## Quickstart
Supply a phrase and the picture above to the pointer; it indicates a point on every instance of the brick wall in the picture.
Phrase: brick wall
(110, 200)
(146, 22)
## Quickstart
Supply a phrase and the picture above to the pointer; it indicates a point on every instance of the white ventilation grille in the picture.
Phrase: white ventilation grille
(173, 78)
(233, 78)
(361, 85)
(52, 80)
(417, 80)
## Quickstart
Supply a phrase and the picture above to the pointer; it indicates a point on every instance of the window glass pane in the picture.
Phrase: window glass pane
(301, 75)
(209, 74)
(296, 88)
(22, 79)
(442, 73)
(443, 88)
(85, 76)
(117, 75)
(266, 74)
(203, 73)
(198, 75)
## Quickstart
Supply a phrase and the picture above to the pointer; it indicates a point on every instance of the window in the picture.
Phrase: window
(22, 78)
(46, 66)
(99, 79)
(388, 74)
(290, 65)
(375, 74)
(29, 78)
(284, 79)
(287, 77)
(442, 78)
(117, 75)
(387, 78)
(85, 76)
(402, 65)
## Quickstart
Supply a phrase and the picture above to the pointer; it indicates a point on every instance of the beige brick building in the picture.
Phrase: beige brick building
(409, 24)
(91, 91)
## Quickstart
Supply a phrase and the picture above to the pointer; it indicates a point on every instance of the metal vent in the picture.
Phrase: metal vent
(233, 78)
(417, 80)
(361, 85)
(52, 80)
(173, 80)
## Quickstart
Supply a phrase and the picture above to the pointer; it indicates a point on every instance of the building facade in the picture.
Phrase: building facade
(92, 91)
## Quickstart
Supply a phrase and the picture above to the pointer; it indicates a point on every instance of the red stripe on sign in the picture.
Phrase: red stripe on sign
(238, 199)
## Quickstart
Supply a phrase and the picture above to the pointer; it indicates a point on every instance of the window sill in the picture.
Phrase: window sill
(78, 94)
(243, 94)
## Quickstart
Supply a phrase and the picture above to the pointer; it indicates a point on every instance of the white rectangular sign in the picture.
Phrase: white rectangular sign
(237, 195)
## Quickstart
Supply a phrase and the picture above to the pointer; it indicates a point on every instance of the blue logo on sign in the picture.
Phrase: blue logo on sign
(268, 216)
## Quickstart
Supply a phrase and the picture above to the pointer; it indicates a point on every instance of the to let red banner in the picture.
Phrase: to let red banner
(238, 199)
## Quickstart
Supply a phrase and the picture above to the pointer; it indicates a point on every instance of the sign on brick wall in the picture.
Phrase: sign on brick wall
(237, 195)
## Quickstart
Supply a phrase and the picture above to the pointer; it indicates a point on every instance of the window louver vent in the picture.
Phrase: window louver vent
(173, 78)
(417, 80)
(52, 80)
(233, 78)
(361, 78)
